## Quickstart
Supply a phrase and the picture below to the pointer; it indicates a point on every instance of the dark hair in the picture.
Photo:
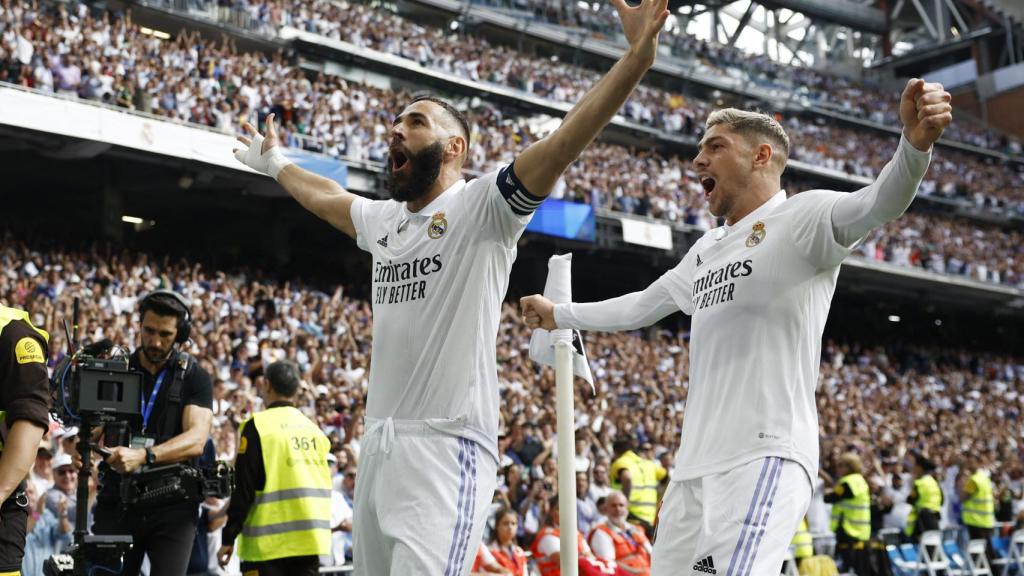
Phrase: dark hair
(162, 305)
(451, 110)
(283, 377)
(623, 443)
(502, 512)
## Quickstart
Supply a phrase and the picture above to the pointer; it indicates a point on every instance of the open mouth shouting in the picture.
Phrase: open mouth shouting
(709, 186)
(399, 159)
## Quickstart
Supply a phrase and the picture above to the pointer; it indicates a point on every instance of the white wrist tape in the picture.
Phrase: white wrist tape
(270, 162)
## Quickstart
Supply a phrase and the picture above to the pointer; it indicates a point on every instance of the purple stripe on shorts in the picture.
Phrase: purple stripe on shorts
(750, 513)
(760, 515)
(456, 534)
(471, 502)
(764, 524)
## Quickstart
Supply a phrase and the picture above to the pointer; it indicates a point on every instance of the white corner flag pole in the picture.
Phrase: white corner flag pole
(555, 348)
(566, 451)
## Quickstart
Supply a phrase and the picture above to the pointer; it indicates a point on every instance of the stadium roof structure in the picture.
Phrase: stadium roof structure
(868, 32)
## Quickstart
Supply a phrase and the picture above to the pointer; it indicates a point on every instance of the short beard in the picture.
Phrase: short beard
(423, 172)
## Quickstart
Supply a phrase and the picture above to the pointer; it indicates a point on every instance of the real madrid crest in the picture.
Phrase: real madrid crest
(757, 234)
(438, 226)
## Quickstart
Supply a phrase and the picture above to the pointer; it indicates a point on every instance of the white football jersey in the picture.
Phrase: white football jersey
(439, 278)
(759, 292)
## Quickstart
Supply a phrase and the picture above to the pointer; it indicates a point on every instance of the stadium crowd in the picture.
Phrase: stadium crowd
(355, 21)
(884, 403)
(835, 92)
(210, 83)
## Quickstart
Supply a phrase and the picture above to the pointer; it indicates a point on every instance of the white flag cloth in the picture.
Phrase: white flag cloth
(558, 289)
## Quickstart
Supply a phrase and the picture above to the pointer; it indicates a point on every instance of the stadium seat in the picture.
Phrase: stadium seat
(899, 566)
(956, 558)
(977, 560)
(909, 553)
(1015, 559)
(932, 559)
(1001, 547)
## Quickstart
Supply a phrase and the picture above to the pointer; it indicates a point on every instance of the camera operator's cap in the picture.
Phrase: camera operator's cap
(61, 460)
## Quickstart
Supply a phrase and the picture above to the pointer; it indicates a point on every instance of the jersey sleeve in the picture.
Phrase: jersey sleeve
(365, 214)
(503, 205)
(812, 231)
(24, 381)
(679, 280)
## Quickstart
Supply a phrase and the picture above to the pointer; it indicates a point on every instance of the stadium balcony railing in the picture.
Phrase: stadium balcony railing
(785, 95)
(792, 94)
(205, 144)
(406, 68)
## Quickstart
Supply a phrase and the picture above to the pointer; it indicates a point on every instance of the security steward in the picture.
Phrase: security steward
(177, 413)
(979, 507)
(851, 510)
(638, 479)
(803, 543)
(281, 507)
(24, 393)
(926, 499)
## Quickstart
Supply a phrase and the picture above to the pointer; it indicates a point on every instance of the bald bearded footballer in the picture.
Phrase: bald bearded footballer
(442, 252)
(759, 290)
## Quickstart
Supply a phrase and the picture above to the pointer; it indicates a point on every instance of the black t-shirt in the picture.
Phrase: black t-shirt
(196, 390)
(24, 383)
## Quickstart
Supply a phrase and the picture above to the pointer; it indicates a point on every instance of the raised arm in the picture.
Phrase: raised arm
(628, 312)
(925, 112)
(321, 196)
(539, 166)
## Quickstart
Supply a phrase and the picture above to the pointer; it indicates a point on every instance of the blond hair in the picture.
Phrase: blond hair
(753, 126)
(852, 462)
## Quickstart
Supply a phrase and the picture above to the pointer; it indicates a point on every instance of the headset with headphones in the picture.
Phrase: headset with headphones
(184, 322)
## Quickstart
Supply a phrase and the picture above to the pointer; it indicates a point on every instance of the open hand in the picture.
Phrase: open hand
(538, 312)
(642, 24)
(262, 152)
(925, 111)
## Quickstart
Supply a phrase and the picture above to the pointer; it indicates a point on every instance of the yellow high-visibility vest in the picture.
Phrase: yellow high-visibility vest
(929, 497)
(853, 512)
(979, 510)
(643, 496)
(803, 542)
(291, 516)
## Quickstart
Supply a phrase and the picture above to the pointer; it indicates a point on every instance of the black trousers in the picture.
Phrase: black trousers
(294, 566)
(13, 521)
(983, 534)
(164, 534)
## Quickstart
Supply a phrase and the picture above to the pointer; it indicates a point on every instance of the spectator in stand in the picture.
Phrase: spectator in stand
(619, 541)
(504, 548)
(64, 493)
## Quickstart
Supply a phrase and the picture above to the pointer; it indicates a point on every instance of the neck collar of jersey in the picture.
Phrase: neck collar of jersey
(437, 203)
(761, 211)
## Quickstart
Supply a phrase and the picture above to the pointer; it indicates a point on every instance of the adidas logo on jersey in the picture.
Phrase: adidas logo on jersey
(699, 261)
(383, 241)
(706, 565)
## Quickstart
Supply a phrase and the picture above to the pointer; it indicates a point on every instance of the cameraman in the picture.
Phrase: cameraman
(282, 501)
(177, 399)
(24, 389)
